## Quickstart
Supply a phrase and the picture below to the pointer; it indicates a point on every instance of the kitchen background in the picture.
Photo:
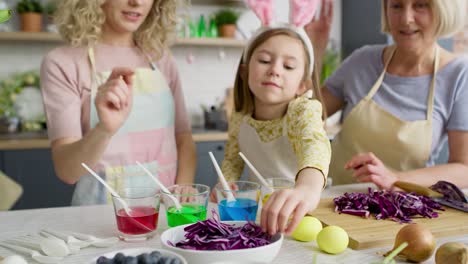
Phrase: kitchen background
(206, 67)
(204, 80)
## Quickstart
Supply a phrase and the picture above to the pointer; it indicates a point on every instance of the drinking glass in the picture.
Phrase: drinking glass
(136, 212)
(194, 200)
(245, 206)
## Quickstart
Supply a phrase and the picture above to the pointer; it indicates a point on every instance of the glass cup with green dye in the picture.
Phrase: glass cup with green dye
(192, 197)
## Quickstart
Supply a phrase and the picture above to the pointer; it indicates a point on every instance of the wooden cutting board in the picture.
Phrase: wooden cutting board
(371, 233)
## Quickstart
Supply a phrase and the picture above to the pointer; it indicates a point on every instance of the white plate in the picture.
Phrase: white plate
(137, 251)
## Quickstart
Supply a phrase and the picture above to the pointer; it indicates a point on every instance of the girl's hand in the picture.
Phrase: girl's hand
(114, 100)
(283, 204)
(368, 168)
(319, 28)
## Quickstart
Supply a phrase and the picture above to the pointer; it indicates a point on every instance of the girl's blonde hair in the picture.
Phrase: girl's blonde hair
(449, 16)
(80, 24)
(244, 98)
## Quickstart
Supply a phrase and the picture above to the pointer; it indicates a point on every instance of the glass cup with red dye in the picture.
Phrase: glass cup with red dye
(137, 212)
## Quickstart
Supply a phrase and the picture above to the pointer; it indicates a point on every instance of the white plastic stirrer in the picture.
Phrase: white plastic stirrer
(256, 173)
(230, 196)
(165, 190)
(115, 194)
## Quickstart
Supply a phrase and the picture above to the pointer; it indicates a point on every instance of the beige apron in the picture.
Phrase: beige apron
(401, 145)
(274, 159)
(10, 192)
(146, 136)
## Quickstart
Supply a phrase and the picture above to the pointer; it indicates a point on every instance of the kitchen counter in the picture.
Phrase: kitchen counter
(38, 140)
(100, 221)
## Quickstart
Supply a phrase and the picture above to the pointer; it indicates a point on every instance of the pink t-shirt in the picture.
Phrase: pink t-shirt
(66, 85)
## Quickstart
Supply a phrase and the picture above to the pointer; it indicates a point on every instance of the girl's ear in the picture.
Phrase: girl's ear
(243, 71)
(304, 86)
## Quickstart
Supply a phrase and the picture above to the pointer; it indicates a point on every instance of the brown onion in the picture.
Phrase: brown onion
(421, 242)
(452, 253)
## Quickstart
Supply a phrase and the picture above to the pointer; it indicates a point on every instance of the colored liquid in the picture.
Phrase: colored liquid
(241, 209)
(141, 221)
(186, 215)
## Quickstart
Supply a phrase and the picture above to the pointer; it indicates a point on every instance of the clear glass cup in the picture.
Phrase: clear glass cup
(245, 207)
(276, 184)
(136, 212)
(194, 200)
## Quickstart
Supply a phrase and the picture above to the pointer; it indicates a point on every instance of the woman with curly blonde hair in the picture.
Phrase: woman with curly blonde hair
(113, 97)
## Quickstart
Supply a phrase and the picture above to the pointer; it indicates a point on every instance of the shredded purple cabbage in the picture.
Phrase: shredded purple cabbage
(397, 206)
(453, 196)
(449, 190)
(212, 234)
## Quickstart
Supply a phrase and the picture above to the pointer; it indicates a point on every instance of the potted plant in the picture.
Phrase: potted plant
(50, 9)
(226, 21)
(30, 15)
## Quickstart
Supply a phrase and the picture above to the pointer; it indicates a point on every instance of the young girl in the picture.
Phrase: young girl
(113, 97)
(278, 128)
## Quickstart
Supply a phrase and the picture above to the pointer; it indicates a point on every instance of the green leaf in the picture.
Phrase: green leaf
(226, 16)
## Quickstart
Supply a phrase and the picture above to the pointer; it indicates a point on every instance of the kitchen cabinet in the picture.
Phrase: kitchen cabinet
(34, 171)
(206, 173)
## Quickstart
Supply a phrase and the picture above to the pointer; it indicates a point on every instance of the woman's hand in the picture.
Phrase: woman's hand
(319, 29)
(368, 168)
(114, 100)
(283, 204)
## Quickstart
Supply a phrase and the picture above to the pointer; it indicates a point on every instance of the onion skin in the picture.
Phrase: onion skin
(452, 253)
(421, 243)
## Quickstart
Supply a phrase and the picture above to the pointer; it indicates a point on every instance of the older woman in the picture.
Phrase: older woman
(401, 102)
(113, 97)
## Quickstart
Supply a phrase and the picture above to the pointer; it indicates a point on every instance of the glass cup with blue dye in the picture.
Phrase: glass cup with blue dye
(276, 184)
(194, 200)
(245, 206)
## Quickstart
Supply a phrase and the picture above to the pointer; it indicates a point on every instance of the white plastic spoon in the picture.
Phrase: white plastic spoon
(13, 259)
(72, 244)
(70, 240)
(95, 241)
(34, 254)
(163, 188)
(256, 173)
(114, 193)
(230, 196)
(51, 247)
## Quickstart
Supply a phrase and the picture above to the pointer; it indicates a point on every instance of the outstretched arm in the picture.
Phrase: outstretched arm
(369, 168)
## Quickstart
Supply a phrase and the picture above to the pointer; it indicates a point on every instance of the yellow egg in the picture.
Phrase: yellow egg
(307, 229)
(333, 239)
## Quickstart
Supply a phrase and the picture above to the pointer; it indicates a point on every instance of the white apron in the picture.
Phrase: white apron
(407, 144)
(274, 159)
(146, 136)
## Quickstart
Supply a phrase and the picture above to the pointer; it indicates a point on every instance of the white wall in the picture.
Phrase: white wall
(204, 81)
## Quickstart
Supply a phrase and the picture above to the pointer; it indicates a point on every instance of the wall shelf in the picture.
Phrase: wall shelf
(220, 42)
(30, 36)
(53, 37)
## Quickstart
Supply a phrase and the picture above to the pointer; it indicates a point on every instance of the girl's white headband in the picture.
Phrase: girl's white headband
(301, 13)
